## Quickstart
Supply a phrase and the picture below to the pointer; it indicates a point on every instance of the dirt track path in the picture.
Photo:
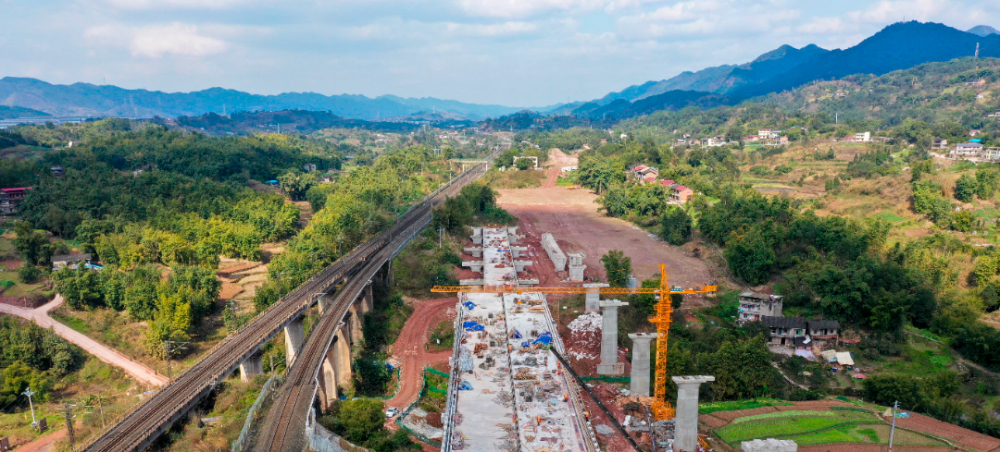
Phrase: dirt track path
(409, 347)
(46, 443)
(40, 316)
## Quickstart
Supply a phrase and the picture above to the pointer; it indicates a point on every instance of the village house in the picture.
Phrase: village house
(991, 154)
(799, 332)
(11, 198)
(715, 141)
(754, 305)
(69, 260)
(864, 137)
(939, 143)
(644, 173)
(967, 150)
(768, 134)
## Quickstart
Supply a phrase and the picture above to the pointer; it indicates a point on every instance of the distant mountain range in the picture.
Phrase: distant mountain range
(898, 46)
(84, 99)
(983, 30)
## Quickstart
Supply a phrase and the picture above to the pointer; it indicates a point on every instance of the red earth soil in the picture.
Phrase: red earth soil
(409, 347)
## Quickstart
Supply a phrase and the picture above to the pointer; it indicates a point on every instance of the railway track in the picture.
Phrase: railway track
(284, 427)
(149, 419)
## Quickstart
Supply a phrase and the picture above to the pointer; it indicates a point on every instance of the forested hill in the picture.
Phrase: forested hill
(898, 46)
(286, 121)
(84, 99)
(18, 112)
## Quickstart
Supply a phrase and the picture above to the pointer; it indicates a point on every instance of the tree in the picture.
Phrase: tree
(965, 188)
(360, 420)
(676, 226)
(742, 369)
(751, 255)
(987, 181)
(34, 246)
(617, 267)
(81, 288)
(523, 164)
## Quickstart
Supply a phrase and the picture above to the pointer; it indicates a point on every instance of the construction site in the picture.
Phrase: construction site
(511, 388)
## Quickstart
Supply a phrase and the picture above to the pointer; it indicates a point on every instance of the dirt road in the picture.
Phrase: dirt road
(40, 316)
(409, 347)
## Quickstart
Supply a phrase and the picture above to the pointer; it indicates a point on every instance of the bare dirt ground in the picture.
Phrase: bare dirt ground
(46, 443)
(409, 347)
(572, 217)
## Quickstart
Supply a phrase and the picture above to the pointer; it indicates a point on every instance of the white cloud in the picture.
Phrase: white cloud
(172, 4)
(177, 39)
(491, 30)
(527, 8)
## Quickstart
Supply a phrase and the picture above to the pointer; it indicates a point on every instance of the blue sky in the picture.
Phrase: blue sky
(509, 52)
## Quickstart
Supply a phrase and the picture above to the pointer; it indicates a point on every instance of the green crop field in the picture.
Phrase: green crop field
(819, 427)
(733, 405)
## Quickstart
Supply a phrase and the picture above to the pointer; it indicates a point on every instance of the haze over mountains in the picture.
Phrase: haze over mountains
(84, 99)
(898, 46)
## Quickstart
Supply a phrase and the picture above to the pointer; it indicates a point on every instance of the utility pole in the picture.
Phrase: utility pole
(31, 404)
(892, 432)
(69, 426)
(100, 403)
(168, 348)
(440, 237)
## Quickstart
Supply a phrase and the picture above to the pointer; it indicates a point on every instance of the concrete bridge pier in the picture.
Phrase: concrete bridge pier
(353, 322)
(640, 363)
(341, 351)
(328, 380)
(294, 335)
(252, 365)
(609, 339)
(368, 298)
(686, 422)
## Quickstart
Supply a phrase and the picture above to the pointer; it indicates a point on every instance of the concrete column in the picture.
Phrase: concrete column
(609, 339)
(329, 377)
(686, 422)
(251, 366)
(640, 363)
(354, 322)
(594, 298)
(368, 298)
(342, 358)
(294, 335)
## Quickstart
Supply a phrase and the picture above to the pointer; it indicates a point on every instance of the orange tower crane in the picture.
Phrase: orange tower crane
(664, 311)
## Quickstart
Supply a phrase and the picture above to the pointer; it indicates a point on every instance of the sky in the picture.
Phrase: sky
(523, 53)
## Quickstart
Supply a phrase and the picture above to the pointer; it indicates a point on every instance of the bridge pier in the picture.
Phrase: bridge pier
(252, 365)
(294, 335)
(328, 380)
(368, 298)
(341, 350)
(355, 335)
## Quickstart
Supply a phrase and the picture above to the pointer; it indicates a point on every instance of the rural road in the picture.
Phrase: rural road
(409, 347)
(41, 317)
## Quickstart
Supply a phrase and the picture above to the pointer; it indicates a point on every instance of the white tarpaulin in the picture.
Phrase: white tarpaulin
(845, 359)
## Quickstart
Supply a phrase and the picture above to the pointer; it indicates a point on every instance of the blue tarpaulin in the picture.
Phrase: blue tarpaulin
(469, 305)
(544, 339)
(515, 334)
(525, 344)
(465, 386)
(473, 326)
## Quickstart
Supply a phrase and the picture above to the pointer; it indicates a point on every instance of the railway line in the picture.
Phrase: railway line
(149, 419)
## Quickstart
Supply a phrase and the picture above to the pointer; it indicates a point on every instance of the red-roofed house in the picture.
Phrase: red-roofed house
(681, 194)
(667, 183)
(645, 173)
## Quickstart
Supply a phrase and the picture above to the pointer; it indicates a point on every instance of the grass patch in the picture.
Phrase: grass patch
(733, 405)
(515, 179)
(781, 414)
(442, 336)
(569, 179)
(890, 217)
(774, 428)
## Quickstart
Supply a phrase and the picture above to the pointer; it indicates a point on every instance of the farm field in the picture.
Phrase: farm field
(833, 423)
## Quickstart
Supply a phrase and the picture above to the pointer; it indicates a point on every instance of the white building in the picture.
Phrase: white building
(768, 134)
(865, 137)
